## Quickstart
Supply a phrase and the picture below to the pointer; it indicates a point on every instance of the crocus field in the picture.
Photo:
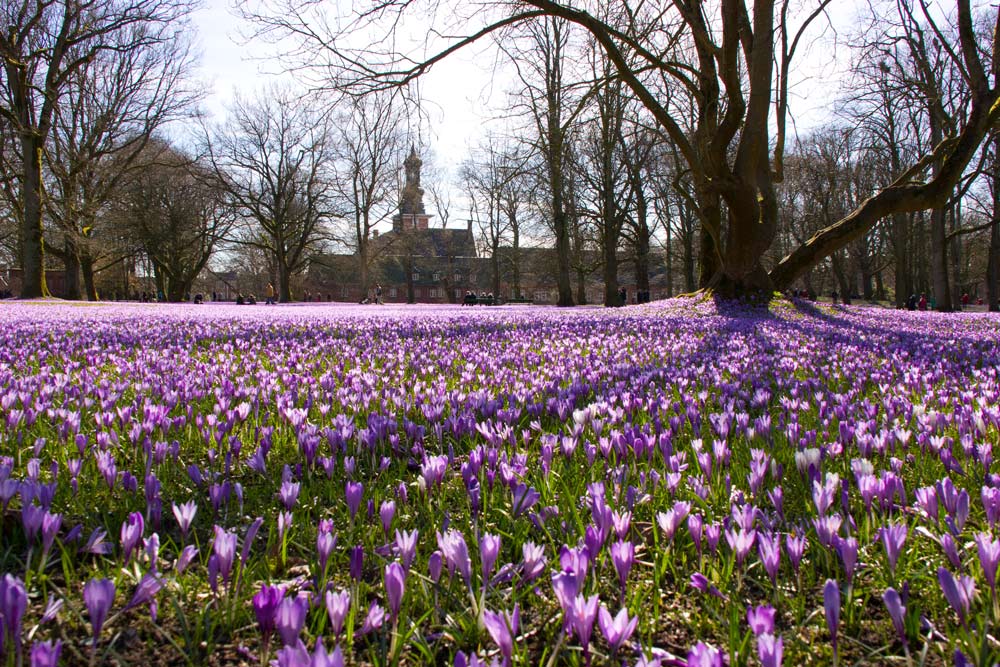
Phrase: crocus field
(682, 483)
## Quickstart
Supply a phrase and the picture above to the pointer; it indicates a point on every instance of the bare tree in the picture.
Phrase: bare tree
(175, 209)
(739, 77)
(109, 111)
(367, 151)
(43, 44)
(273, 160)
(486, 176)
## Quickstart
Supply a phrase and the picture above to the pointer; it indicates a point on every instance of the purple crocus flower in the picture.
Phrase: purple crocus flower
(395, 587)
(357, 562)
(703, 655)
(434, 564)
(184, 513)
(295, 655)
(320, 658)
(353, 494)
(989, 558)
(893, 536)
(897, 612)
(13, 603)
(769, 650)
(795, 546)
(406, 545)
(98, 595)
(582, 614)
(741, 542)
(534, 561)
(131, 534)
(224, 550)
(623, 557)
(337, 606)
(386, 511)
(769, 549)
(489, 549)
(700, 583)
(325, 543)
(146, 590)
(958, 591)
(503, 628)
(456, 554)
(373, 620)
(761, 619)
(184, 560)
(847, 549)
(50, 528)
(618, 629)
(265, 607)
(831, 605)
(45, 654)
(289, 618)
(525, 498)
(289, 493)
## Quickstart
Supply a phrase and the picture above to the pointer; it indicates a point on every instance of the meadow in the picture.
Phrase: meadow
(682, 483)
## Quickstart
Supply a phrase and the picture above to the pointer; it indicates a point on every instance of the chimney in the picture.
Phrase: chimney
(470, 225)
(374, 233)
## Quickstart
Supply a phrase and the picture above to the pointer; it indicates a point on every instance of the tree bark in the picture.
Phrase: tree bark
(940, 288)
(284, 280)
(993, 260)
(87, 268)
(560, 222)
(71, 263)
(33, 248)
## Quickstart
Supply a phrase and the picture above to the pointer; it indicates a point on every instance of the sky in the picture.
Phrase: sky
(456, 113)
(463, 95)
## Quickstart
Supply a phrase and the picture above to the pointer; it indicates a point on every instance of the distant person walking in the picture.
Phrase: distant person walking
(378, 294)
(922, 303)
(269, 295)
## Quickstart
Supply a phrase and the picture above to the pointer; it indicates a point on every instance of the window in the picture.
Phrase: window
(458, 277)
(434, 292)
(458, 294)
(416, 275)
(392, 292)
(343, 291)
(437, 276)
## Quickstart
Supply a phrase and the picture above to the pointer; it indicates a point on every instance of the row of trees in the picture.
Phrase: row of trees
(637, 131)
(90, 182)
(676, 114)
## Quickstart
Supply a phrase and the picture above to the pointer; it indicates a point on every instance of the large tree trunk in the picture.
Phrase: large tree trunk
(993, 261)
(642, 251)
(610, 257)
(87, 267)
(71, 263)
(560, 221)
(711, 229)
(940, 288)
(843, 285)
(903, 284)
(516, 262)
(363, 266)
(284, 281)
(581, 287)
(32, 249)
